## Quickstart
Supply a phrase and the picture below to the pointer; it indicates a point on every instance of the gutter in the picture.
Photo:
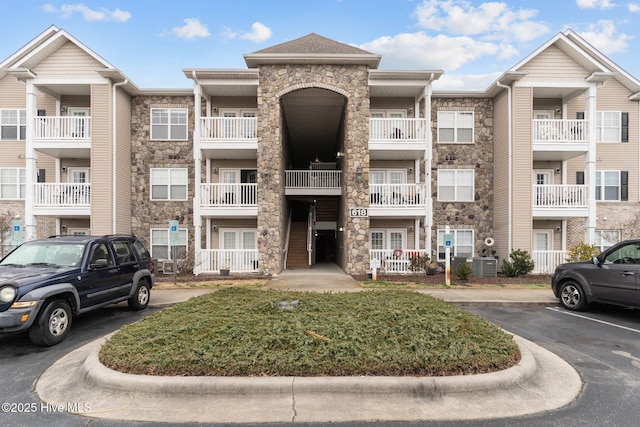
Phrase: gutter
(113, 153)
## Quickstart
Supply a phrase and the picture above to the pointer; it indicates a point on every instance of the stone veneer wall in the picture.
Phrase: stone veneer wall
(146, 154)
(277, 81)
(476, 215)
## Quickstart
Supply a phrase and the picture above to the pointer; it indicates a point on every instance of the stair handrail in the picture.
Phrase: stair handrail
(285, 250)
(310, 233)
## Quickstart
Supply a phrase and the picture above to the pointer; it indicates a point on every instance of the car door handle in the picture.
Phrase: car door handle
(628, 273)
(114, 270)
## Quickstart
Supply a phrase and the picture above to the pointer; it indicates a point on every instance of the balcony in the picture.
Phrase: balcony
(397, 200)
(560, 201)
(545, 262)
(394, 264)
(63, 136)
(229, 137)
(559, 139)
(62, 199)
(397, 139)
(313, 182)
(236, 260)
(224, 200)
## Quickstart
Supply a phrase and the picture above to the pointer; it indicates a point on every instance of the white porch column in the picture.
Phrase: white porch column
(30, 163)
(428, 217)
(197, 159)
(590, 165)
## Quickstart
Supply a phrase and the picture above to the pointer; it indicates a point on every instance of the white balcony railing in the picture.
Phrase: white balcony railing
(397, 195)
(545, 262)
(394, 264)
(405, 130)
(228, 195)
(317, 179)
(62, 195)
(236, 260)
(62, 128)
(560, 131)
(560, 196)
(228, 128)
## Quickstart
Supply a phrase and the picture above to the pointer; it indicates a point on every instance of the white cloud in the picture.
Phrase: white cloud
(102, 14)
(419, 50)
(633, 7)
(594, 4)
(490, 20)
(603, 36)
(191, 29)
(259, 33)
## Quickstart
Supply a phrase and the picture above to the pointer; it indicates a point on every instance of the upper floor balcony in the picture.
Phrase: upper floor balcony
(560, 201)
(225, 199)
(559, 139)
(397, 138)
(63, 136)
(313, 182)
(396, 200)
(62, 199)
(229, 137)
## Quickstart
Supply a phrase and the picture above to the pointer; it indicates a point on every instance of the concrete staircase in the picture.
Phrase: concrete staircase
(298, 257)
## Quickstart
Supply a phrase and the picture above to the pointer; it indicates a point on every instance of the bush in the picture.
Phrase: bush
(464, 271)
(581, 252)
(521, 263)
(419, 263)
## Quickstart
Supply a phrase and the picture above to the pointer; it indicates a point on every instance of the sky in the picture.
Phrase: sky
(473, 42)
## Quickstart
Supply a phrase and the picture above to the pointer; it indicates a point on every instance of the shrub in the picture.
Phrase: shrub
(419, 263)
(521, 263)
(581, 252)
(464, 271)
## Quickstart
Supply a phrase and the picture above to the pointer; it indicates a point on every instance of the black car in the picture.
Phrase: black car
(44, 283)
(612, 277)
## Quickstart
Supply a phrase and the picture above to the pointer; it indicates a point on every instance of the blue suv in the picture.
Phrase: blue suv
(44, 283)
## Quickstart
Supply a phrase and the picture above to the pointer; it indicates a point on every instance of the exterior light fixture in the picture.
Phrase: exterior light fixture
(359, 174)
(339, 154)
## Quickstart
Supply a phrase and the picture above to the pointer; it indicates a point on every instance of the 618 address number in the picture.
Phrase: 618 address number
(354, 212)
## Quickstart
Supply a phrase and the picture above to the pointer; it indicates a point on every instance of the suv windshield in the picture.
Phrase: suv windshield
(64, 254)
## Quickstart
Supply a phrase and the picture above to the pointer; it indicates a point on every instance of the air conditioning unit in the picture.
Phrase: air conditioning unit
(485, 267)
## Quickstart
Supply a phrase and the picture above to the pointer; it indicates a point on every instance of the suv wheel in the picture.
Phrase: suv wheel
(141, 297)
(52, 325)
(572, 296)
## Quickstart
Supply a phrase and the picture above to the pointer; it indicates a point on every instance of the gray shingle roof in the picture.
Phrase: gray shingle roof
(315, 44)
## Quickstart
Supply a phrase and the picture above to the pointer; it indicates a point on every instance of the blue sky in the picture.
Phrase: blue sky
(472, 41)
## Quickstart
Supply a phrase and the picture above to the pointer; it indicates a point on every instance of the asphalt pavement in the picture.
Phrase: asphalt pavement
(540, 382)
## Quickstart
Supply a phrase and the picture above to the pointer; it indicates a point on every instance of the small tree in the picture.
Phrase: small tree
(581, 252)
(521, 263)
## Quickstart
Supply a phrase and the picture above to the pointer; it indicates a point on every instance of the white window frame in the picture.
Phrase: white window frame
(183, 241)
(71, 171)
(613, 237)
(549, 233)
(456, 186)
(457, 126)
(170, 182)
(20, 123)
(455, 246)
(604, 124)
(171, 115)
(239, 241)
(386, 240)
(20, 185)
(600, 175)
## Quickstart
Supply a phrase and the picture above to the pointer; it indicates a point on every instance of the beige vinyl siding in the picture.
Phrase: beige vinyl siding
(233, 103)
(82, 101)
(522, 164)
(501, 174)
(12, 154)
(247, 224)
(49, 164)
(237, 164)
(545, 66)
(392, 104)
(69, 60)
(12, 93)
(123, 162)
(396, 164)
(397, 224)
(101, 213)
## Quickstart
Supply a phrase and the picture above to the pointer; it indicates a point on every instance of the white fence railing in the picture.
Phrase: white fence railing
(62, 195)
(547, 261)
(228, 128)
(61, 128)
(236, 260)
(231, 195)
(397, 195)
(391, 261)
(398, 129)
(312, 179)
(555, 131)
(560, 196)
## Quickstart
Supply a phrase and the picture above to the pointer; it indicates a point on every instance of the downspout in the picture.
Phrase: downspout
(510, 169)
(428, 152)
(113, 154)
(197, 158)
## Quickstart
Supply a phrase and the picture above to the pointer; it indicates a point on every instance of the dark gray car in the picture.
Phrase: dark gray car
(612, 277)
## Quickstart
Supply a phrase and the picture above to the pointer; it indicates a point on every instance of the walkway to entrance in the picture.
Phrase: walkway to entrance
(323, 277)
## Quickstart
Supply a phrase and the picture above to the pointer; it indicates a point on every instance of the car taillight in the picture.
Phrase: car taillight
(153, 267)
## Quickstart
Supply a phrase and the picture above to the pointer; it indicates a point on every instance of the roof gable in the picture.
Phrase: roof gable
(314, 43)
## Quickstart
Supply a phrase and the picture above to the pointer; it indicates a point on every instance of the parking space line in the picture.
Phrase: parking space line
(558, 310)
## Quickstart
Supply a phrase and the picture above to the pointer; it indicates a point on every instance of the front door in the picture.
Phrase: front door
(80, 127)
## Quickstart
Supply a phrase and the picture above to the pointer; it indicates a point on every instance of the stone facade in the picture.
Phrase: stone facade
(476, 214)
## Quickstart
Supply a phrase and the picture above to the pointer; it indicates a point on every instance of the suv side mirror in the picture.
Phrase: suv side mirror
(99, 263)
(595, 260)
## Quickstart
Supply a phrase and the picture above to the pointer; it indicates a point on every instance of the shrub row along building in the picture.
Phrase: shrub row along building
(312, 154)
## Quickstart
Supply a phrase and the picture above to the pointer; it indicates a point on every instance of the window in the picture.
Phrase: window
(12, 183)
(610, 185)
(169, 123)
(169, 184)
(612, 126)
(13, 125)
(456, 185)
(388, 239)
(455, 127)
(160, 244)
(606, 238)
(462, 244)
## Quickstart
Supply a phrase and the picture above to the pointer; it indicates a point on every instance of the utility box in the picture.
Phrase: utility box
(456, 261)
(485, 267)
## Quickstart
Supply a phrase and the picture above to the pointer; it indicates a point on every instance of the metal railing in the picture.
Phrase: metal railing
(560, 130)
(313, 179)
(546, 261)
(229, 195)
(62, 128)
(393, 261)
(235, 260)
(560, 196)
(62, 195)
(228, 128)
(398, 129)
(397, 195)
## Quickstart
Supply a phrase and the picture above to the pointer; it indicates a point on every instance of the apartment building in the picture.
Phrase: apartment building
(313, 154)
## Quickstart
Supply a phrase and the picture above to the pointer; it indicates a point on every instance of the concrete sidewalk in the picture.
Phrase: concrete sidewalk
(540, 382)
